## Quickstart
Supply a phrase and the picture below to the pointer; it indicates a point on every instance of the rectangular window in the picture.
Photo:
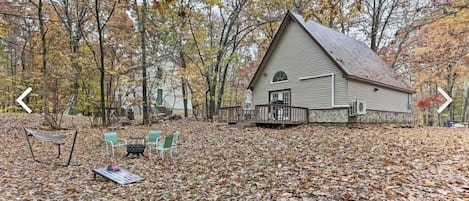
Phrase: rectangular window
(159, 97)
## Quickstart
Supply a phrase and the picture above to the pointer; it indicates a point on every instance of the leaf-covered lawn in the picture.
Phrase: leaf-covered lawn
(220, 162)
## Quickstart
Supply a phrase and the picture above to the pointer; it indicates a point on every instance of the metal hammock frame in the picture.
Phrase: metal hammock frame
(49, 138)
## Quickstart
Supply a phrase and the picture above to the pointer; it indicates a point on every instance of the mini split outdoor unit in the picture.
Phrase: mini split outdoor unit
(358, 108)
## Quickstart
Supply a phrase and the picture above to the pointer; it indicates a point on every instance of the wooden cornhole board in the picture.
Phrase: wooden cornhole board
(121, 177)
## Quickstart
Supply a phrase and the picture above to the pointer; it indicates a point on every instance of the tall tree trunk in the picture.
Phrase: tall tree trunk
(184, 96)
(76, 76)
(146, 119)
(75, 47)
(141, 19)
(221, 91)
(45, 71)
(110, 87)
(376, 16)
(435, 114)
(101, 62)
(182, 56)
(450, 90)
(466, 105)
(212, 103)
(195, 105)
(183, 80)
(207, 104)
(55, 96)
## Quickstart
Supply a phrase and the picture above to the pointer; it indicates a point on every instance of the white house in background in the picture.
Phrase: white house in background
(337, 78)
(164, 87)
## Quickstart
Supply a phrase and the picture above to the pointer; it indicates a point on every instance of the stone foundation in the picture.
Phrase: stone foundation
(342, 116)
(384, 117)
(328, 116)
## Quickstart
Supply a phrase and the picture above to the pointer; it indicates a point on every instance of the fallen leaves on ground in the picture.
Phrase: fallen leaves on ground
(219, 162)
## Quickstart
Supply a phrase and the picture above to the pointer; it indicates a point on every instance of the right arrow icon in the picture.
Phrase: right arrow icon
(448, 100)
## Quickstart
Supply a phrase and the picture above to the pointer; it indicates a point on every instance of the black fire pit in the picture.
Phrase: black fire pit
(135, 149)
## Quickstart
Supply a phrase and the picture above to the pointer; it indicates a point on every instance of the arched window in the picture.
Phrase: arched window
(280, 76)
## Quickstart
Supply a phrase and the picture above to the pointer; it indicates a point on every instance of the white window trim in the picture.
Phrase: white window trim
(282, 81)
(332, 86)
(279, 82)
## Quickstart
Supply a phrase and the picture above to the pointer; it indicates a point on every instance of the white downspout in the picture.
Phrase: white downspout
(332, 87)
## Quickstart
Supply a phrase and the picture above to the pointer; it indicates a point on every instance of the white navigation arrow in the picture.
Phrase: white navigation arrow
(20, 100)
(448, 100)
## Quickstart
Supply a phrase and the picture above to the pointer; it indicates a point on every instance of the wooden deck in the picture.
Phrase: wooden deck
(278, 122)
(267, 114)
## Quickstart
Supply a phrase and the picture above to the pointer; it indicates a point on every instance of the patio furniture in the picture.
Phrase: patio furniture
(153, 139)
(168, 141)
(175, 141)
(50, 138)
(137, 148)
(121, 177)
(112, 139)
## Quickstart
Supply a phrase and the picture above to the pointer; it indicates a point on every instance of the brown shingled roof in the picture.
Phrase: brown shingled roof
(353, 57)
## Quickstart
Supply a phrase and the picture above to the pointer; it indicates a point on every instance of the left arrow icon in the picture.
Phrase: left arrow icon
(20, 99)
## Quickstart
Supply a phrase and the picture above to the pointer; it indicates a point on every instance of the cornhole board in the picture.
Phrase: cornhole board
(121, 177)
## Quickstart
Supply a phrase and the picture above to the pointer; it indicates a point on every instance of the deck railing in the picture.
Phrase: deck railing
(265, 114)
(234, 114)
(280, 114)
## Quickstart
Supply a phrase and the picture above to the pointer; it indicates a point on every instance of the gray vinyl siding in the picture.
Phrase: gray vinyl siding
(383, 99)
(298, 55)
(320, 94)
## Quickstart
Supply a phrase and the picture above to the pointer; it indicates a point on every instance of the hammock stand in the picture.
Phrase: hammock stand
(49, 138)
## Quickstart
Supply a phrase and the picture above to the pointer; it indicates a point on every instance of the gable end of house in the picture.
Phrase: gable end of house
(365, 67)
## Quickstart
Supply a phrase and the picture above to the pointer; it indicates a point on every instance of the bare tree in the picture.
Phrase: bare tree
(227, 30)
(72, 15)
(101, 24)
(45, 71)
(380, 14)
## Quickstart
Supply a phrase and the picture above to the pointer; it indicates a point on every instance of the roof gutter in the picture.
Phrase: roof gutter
(380, 84)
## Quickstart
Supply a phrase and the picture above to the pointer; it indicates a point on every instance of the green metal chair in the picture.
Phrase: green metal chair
(168, 141)
(174, 146)
(112, 140)
(153, 138)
